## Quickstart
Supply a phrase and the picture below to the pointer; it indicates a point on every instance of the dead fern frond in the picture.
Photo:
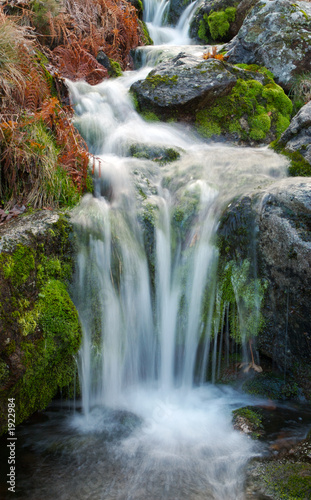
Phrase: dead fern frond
(212, 54)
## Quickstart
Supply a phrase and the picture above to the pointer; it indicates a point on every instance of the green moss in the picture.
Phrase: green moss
(156, 80)
(216, 26)
(298, 165)
(203, 30)
(253, 418)
(40, 317)
(265, 108)
(147, 40)
(257, 69)
(18, 266)
(150, 116)
(242, 296)
(115, 69)
(288, 481)
(219, 22)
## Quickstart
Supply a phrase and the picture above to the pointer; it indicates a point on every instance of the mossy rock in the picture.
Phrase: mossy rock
(248, 420)
(39, 329)
(283, 480)
(252, 111)
(299, 167)
(159, 154)
(272, 386)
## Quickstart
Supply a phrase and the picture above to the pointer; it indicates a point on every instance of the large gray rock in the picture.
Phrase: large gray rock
(297, 137)
(278, 219)
(275, 34)
(244, 105)
(284, 245)
(187, 83)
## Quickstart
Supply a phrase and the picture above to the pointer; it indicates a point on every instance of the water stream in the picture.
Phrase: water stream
(150, 426)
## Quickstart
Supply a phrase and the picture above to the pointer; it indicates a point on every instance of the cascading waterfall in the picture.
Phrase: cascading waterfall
(155, 12)
(145, 290)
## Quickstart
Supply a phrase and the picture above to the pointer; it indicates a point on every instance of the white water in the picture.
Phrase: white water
(142, 314)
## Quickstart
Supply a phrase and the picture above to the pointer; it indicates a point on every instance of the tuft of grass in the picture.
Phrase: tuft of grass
(300, 92)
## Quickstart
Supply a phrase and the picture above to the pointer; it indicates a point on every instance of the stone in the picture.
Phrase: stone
(297, 137)
(275, 34)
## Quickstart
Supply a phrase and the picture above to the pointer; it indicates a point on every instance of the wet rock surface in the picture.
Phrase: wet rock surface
(277, 35)
(284, 246)
(282, 214)
(184, 84)
(297, 137)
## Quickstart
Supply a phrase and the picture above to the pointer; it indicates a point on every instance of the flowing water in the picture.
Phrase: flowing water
(149, 425)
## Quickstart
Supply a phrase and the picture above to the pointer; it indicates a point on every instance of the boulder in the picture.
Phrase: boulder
(238, 103)
(275, 34)
(279, 220)
(284, 247)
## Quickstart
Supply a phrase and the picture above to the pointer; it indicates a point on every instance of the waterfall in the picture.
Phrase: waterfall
(146, 287)
(155, 12)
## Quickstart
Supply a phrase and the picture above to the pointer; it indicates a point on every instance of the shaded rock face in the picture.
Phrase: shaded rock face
(175, 10)
(297, 137)
(284, 246)
(187, 83)
(275, 34)
(280, 221)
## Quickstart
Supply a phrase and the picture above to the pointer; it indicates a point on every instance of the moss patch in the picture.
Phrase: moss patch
(158, 154)
(216, 26)
(251, 417)
(251, 110)
(289, 481)
(298, 165)
(272, 386)
(39, 326)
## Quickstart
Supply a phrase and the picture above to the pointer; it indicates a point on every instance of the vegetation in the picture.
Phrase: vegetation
(43, 159)
(298, 165)
(39, 326)
(300, 92)
(251, 110)
(216, 26)
(287, 481)
(252, 417)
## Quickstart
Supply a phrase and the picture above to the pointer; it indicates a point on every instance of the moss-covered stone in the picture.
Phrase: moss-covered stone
(249, 420)
(146, 39)
(272, 386)
(39, 326)
(155, 153)
(287, 481)
(299, 167)
(251, 110)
